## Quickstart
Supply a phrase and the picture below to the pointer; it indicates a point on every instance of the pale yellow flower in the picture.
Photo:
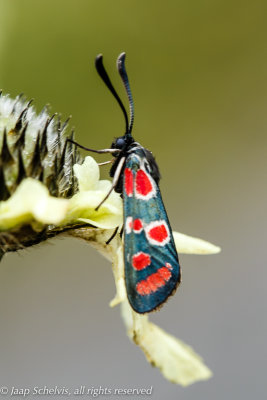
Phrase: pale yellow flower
(31, 203)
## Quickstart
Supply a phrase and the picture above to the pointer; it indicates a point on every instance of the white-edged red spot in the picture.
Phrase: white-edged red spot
(128, 182)
(153, 282)
(129, 224)
(141, 260)
(144, 186)
(157, 233)
(137, 225)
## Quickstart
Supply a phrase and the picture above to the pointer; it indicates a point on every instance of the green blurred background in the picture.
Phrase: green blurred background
(198, 75)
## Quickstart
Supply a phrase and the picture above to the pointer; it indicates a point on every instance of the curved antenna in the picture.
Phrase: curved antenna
(104, 76)
(125, 80)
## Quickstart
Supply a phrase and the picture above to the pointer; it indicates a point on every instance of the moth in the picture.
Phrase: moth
(152, 269)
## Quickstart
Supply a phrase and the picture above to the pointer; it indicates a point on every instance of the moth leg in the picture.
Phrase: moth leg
(105, 162)
(114, 183)
(113, 235)
(94, 151)
(121, 231)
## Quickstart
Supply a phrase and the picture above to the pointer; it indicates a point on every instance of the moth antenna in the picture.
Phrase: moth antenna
(125, 80)
(104, 76)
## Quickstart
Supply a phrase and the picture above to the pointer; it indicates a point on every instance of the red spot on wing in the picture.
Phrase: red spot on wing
(141, 260)
(137, 225)
(143, 288)
(158, 233)
(153, 282)
(165, 273)
(143, 183)
(128, 181)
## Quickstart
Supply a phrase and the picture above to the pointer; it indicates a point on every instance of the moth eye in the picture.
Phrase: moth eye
(120, 143)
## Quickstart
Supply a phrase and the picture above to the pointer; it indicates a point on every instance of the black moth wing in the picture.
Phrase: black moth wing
(152, 269)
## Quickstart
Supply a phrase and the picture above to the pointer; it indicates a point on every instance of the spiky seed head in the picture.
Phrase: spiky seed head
(35, 146)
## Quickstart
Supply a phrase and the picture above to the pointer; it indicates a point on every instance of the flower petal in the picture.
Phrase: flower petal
(191, 245)
(87, 174)
(103, 221)
(92, 191)
(104, 185)
(31, 201)
(83, 204)
(118, 271)
(176, 360)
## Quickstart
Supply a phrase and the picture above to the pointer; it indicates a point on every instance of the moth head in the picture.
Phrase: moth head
(122, 142)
